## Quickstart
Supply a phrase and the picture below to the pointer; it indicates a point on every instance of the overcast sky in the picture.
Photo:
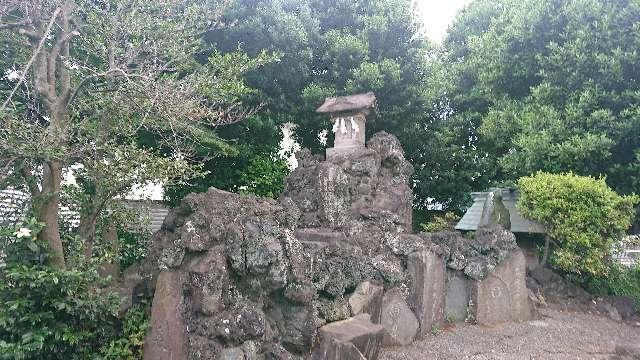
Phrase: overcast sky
(437, 15)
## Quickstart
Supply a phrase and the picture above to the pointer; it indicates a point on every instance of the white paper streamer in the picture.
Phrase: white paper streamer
(336, 125)
(343, 126)
(354, 126)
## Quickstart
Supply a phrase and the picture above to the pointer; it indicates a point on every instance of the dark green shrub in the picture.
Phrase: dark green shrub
(617, 280)
(582, 215)
(50, 313)
(447, 221)
(133, 247)
(129, 345)
(264, 175)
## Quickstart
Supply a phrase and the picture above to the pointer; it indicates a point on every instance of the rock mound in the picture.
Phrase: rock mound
(236, 276)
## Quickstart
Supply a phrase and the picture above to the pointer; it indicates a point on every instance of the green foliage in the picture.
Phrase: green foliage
(541, 85)
(583, 215)
(617, 280)
(52, 314)
(144, 106)
(447, 221)
(435, 330)
(325, 48)
(49, 313)
(255, 144)
(265, 175)
(130, 344)
(133, 247)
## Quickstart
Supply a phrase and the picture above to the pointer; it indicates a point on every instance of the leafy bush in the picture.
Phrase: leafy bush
(617, 280)
(48, 313)
(51, 313)
(265, 175)
(447, 221)
(129, 346)
(133, 247)
(582, 215)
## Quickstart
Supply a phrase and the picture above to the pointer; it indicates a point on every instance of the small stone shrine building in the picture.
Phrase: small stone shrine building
(528, 233)
(519, 224)
(348, 115)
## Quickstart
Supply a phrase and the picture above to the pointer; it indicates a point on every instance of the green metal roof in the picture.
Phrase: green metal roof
(519, 224)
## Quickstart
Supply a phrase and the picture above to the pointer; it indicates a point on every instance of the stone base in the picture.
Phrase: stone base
(337, 152)
(427, 273)
(502, 296)
(456, 300)
(166, 339)
(355, 338)
(400, 324)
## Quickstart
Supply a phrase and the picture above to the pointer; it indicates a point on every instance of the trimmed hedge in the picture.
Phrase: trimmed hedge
(583, 216)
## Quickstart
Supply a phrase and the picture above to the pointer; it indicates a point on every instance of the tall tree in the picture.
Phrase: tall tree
(100, 78)
(546, 85)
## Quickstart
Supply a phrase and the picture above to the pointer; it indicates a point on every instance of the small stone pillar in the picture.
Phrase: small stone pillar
(348, 115)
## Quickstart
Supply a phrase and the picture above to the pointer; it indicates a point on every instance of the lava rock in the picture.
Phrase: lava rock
(625, 305)
(354, 338)
(231, 354)
(166, 339)
(427, 273)
(400, 324)
(457, 296)
(503, 295)
(367, 299)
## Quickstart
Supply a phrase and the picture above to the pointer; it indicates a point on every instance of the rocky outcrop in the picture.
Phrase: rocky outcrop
(362, 194)
(166, 339)
(427, 272)
(400, 323)
(249, 282)
(329, 268)
(475, 257)
(367, 299)
(457, 296)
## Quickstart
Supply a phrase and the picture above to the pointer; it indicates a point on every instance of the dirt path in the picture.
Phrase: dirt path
(556, 335)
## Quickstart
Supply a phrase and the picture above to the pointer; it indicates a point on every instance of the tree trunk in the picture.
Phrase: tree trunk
(52, 81)
(110, 237)
(545, 253)
(87, 232)
(48, 212)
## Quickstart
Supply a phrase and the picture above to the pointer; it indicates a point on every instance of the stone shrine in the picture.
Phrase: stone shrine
(329, 270)
(349, 117)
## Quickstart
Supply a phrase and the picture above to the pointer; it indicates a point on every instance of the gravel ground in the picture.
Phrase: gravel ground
(555, 335)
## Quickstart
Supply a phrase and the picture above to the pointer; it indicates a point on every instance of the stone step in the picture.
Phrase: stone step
(355, 338)
(320, 235)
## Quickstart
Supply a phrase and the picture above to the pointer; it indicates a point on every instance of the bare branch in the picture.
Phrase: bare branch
(33, 57)
(31, 34)
(14, 25)
(107, 73)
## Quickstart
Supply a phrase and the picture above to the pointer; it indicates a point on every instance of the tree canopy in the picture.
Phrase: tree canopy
(540, 94)
(548, 85)
(330, 48)
(114, 90)
(324, 48)
(516, 86)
